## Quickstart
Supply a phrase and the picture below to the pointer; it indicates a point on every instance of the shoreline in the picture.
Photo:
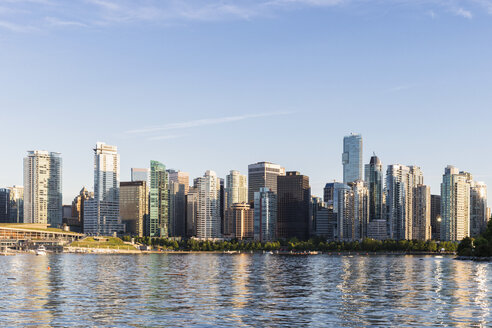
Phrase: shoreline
(81, 250)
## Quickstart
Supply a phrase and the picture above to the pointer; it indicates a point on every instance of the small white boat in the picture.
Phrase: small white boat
(41, 250)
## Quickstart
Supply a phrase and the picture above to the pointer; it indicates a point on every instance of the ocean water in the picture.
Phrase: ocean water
(243, 290)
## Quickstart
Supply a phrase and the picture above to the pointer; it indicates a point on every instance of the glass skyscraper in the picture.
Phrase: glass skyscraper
(158, 223)
(265, 215)
(352, 158)
(102, 214)
(374, 182)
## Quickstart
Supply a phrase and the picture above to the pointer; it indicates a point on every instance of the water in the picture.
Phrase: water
(61, 290)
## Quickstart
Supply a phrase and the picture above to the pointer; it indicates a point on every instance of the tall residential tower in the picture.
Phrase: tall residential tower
(43, 188)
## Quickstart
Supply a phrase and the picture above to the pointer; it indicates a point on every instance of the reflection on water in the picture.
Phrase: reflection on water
(239, 290)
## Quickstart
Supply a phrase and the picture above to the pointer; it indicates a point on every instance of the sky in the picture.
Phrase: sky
(217, 85)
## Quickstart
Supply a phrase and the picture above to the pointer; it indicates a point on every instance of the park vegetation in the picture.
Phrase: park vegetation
(313, 244)
(479, 247)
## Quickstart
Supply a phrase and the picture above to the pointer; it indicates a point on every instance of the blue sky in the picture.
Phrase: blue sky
(209, 84)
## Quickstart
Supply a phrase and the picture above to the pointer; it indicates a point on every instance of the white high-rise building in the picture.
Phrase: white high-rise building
(208, 214)
(401, 184)
(236, 188)
(455, 204)
(352, 158)
(102, 214)
(43, 188)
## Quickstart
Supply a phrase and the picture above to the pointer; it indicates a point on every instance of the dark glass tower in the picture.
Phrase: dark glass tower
(374, 181)
(294, 197)
(436, 217)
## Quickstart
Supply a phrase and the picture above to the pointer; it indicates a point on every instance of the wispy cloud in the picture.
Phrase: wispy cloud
(17, 14)
(16, 27)
(463, 13)
(202, 122)
(57, 22)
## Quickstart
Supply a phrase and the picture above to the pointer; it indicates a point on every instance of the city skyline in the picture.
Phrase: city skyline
(316, 190)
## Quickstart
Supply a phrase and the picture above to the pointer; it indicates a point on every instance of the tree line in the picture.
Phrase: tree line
(313, 244)
(478, 247)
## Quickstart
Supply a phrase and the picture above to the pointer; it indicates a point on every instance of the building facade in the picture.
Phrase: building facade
(401, 182)
(293, 209)
(265, 215)
(16, 204)
(209, 216)
(352, 158)
(421, 213)
(374, 182)
(240, 216)
(236, 188)
(263, 174)
(43, 188)
(191, 212)
(436, 217)
(102, 214)
(158, 223)
(478, 208)
(455, 205)
(134, 206)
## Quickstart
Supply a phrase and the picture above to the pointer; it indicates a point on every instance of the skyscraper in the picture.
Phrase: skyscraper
(374, 182)
(294, 197)
(102, 214)
(421, 213)
(360, 203)
(16, 204)
(43, 188)
(324, 220)
(177, 209)
(455, 205)
(401, 182)
(352, 158)
(134, 207)
(265, 215)
(263, 174)
(478, 208)
(158, 223)
(436, 217)
(236, 188)
(209, 209)
(4, 205)
(191, 212)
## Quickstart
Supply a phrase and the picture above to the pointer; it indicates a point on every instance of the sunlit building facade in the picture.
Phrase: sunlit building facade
(352, 158)
(263, 174)
(478, 208)
(102, 214)
(455, 205)
(43, 188)
(209, 209)
(236, 188)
